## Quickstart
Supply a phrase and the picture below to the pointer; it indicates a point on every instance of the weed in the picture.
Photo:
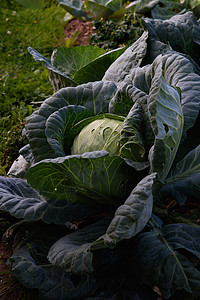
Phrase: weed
(116, 33)
(70, 42)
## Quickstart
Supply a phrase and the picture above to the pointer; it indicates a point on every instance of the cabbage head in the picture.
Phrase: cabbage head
(101, 134)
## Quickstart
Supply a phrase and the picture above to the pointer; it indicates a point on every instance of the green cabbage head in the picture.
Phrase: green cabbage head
(101, 134)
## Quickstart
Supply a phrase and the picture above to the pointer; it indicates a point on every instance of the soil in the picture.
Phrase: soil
(79, 33)
(5, 253)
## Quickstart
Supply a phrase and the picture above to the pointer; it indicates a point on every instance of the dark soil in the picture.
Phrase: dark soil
(10, 289)
(5, 253)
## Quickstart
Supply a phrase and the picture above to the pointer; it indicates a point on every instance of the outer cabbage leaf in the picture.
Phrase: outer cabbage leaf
(161, 262)
(18, 168)
(99, 9)
(143, 6)
(75, 8)
(131, 217)
(178, 71)
(134, 93)
(94, 175)
(39, 237)
(166, 119)
(182, 32)
(96, 69)
(114, 4)
(19, 199)
(61, 123)
(167, 9)
(155, 48)
(184, 178)
(162, 122)
(124, 99)
(132, 143)
(141, 78)
(71, 60)
(191, 142)
(76, 65)
(94, 96)
(160, 110)
(52, 282)
(72, 252)
(106, 9)
(57, 78)
(26, 152)
(130, 59)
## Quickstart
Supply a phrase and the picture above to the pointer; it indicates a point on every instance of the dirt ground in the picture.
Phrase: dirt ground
(82, 29)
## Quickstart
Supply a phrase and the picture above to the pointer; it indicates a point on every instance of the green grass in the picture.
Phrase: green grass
(22, 80)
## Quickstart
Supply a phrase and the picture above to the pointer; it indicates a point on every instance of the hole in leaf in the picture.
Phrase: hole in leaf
(166, 127)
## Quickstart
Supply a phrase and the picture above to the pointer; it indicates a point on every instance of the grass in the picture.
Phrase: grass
(22, 80)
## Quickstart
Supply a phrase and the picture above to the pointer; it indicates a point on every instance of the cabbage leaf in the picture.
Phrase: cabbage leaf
(93, 175)
(162, 261)
(184, 178)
